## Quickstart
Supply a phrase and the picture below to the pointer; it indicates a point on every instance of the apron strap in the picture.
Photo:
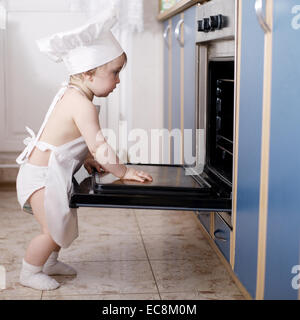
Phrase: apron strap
(31, 141)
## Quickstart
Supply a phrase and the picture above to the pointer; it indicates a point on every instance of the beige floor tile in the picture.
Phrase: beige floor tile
(182, 296)
(114, 277)
(12, 251)
(104, 222)
(111, 211)
(8, 200)
(226, 289)
(14, 297)
(94, 247)
(129, 296)
(192, 276)
(14, 214)
(166, 222)
(15, 234)
(200, 296)
(14, 290)
(110, 257)
(18, 226)
(170, 247)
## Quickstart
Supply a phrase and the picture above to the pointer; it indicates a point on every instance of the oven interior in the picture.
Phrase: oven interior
(220, 119)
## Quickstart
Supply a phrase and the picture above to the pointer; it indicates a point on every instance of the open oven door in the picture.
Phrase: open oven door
(170, 189)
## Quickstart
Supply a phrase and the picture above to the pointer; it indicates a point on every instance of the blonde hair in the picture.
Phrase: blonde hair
(80, 76)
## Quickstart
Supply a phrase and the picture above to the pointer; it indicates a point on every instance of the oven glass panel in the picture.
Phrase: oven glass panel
(171, 189)
(166, 178)
(220, 118)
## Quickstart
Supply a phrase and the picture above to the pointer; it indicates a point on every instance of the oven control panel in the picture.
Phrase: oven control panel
(212, 23)
(215, 20)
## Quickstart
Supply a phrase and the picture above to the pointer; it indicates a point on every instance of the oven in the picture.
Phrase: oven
(208, 185)
(215, 110)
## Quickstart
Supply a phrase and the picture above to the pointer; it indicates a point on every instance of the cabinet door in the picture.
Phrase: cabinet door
(189, 74)
(283, 219)
(172, 89)
(222, 235)
(180, 85)
(167, 83)
(249, 108)
(176, 94)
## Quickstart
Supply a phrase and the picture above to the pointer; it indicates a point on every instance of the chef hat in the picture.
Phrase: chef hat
(86, 47)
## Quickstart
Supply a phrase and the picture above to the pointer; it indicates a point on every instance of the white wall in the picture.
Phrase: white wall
(28, 80)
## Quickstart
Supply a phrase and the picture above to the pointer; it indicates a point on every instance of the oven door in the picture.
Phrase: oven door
(171, 189)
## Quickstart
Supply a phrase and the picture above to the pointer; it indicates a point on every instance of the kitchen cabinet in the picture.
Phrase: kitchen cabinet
(179, 84)
(250, 79)
(222, 235)
(283, 218)
(205, 219)
(268, 179)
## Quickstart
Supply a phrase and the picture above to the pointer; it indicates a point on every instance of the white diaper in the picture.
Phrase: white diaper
(30, 179)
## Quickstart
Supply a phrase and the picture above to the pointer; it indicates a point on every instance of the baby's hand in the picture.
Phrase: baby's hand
(132, 174)
(90, 163)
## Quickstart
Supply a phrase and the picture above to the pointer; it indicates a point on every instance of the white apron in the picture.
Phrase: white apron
(64, 161)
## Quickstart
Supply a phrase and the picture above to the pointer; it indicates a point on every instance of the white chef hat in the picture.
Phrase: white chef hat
(86, 47)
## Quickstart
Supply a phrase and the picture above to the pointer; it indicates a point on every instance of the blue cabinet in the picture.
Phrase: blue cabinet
(179, 83)
(205, 219)
(222, 235)
(283, 214)
(268, 177)
(249, 110)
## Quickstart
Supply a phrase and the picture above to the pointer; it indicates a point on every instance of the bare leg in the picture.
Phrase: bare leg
(42, 250)
(38, 250)
(42, 245)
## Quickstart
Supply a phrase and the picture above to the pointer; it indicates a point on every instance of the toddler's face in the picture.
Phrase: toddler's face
(106, 77)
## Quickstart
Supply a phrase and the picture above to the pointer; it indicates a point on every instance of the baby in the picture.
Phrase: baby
(69, 137)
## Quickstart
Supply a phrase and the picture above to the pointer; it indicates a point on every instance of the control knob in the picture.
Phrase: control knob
(204, 25)
(216, 22)
(212, 23)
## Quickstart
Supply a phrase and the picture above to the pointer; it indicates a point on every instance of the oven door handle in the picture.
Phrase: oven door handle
(166, 33)
(260, 17)
(177, 32)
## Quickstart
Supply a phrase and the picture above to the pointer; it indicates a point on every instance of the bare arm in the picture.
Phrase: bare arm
(86, 119)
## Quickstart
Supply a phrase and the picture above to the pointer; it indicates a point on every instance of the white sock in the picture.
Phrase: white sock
(33, 277)
(55, 267)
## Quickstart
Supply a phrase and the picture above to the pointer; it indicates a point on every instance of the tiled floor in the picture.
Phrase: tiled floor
(120, 254)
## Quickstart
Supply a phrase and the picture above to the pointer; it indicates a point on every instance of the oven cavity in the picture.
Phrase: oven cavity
(220, 114)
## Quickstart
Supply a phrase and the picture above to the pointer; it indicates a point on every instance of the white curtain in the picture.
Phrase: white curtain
(2, 15)
(130, 11)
